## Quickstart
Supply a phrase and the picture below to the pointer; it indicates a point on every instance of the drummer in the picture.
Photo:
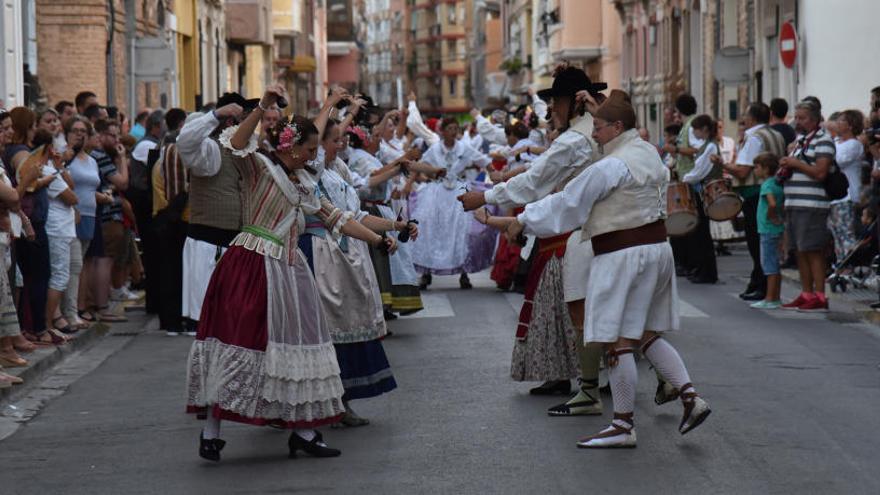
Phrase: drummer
(702, 251)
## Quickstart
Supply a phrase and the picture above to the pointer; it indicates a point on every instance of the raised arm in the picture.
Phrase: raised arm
(246, 129)
(337, 94)
(417, 125)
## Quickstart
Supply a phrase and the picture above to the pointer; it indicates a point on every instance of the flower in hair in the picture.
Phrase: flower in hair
(360, 133)
(289, 137)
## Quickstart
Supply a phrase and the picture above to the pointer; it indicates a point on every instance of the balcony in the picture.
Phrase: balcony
(249, 22)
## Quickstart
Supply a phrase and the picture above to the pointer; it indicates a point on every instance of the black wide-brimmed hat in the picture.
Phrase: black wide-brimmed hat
(568, 82)
(229, 98)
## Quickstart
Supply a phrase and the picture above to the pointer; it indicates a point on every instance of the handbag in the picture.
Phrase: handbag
(836, 184)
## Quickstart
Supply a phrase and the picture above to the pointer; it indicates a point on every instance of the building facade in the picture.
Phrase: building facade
(438, 64)
(343, 52)
(384, 37)
(676, 46)
(540, 34)
(293, 27)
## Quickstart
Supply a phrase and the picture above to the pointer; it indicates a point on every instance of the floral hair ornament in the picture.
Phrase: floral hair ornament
(360, 133)
(289, 137)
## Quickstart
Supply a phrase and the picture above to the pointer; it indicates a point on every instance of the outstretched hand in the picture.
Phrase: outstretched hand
(514, 230)
(273, 93)
(472, 200)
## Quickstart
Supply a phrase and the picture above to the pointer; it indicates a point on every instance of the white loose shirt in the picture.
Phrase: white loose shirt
(199, 153)
(702, 165)
(491, 133)
(456, 159)
(570, 152)
(849, 158)
(570, 208)
(752, 147)
(415, 123)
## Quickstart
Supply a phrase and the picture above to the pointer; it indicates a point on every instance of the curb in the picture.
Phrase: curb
(44, 359)
(842, 302)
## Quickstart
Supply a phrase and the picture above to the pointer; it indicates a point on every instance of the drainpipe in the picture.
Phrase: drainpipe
(130, 34)
(111, 67)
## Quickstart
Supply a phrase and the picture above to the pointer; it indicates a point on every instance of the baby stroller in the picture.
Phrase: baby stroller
(855, 269)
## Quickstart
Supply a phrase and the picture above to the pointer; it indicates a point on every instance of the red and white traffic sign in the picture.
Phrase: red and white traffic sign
(788, 44)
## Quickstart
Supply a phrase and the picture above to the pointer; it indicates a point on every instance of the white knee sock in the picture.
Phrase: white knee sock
(623, 378)
(212, 428)
(668, 363)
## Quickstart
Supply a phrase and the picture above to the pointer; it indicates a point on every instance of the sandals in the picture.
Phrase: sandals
(67, 329)
(87, 316)
(104, 314)
(13, 362)
(54, 338)
(23, 344)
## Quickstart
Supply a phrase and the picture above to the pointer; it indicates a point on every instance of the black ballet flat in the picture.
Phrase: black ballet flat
(316, 447)
(464, 282)
(553, 387)
(210, 449)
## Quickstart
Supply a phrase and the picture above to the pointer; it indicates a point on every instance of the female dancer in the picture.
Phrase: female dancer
(263, 354)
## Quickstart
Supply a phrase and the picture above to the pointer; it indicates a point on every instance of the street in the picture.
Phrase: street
(794, 399)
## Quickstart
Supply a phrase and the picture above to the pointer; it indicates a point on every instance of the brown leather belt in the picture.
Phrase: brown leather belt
(652, 233)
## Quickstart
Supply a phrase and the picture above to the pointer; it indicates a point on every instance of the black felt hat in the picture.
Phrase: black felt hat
(568, 82)
(230, 98)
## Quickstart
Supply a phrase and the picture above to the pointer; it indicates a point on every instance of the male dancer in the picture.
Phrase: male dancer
(214, 197)
(631, 292)
(570, 153)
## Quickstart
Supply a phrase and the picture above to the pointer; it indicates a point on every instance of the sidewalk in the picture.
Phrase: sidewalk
(45, 359)
(851, 306)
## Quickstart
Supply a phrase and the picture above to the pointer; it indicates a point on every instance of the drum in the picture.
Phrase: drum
(720, 202)
(681, 209)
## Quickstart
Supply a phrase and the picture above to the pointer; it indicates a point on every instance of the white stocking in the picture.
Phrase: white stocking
(212, 428)
(623, 378)
(667, 362)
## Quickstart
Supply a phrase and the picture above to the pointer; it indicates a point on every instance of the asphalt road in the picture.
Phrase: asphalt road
(795, 400)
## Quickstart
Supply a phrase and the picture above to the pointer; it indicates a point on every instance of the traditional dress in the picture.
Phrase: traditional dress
(449, 242)
(349, 293)
(400, 293)
(215, 208)
(263, 353)
(507, 255)
(546, 347)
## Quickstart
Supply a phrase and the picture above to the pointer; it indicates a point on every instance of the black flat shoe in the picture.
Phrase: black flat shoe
(388, 315)
(210, 449)
(560, 387)
(316, 447)
(464, 282)
(752, 296)
(425, 281)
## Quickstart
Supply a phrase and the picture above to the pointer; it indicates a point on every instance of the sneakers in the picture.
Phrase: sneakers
(123, 294)
(582, 403)
(815, 305)
(796, 304)
(766, 305)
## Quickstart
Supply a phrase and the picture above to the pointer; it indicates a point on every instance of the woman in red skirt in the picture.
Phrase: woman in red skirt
(263, 354)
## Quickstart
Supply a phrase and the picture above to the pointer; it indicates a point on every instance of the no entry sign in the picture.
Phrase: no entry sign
(788, 45)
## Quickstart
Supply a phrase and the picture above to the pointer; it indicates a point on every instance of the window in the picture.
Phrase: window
(450, 9)
(453, 85)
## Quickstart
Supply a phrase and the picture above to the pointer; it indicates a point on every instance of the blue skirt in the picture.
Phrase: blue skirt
(364, 369)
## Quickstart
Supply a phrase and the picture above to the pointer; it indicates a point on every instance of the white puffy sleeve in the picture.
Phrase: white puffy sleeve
(490, 132)
(569, 152)
(702, 165)
(415, 123)
(570, 208)
(199, 153)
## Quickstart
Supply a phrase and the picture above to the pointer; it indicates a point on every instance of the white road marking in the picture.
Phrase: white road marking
(685, 309)
(437, 305)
